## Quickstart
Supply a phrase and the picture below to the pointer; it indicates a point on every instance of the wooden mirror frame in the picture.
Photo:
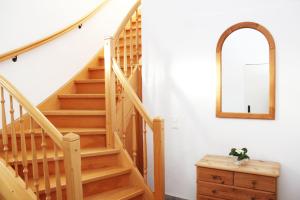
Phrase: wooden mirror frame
(269, 37)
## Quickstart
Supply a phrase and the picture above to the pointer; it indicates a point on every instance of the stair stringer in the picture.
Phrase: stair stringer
(12, 187)
(136, 177)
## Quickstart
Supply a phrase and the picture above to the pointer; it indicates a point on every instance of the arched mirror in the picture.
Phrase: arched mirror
(246, 72)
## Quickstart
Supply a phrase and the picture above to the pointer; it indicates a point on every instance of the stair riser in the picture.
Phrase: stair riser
(96, 74)
(83, 103)
(95, 140)
(90, 88)
(96, 186)
(89, 121)
(128, 50)
(93, 162)
(105, 185)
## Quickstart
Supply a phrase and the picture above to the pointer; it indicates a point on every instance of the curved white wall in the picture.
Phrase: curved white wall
(179, 62)
(40, 72)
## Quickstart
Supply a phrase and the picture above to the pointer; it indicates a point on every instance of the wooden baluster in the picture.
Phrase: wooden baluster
(34, 160)
(57, 175)
(4, 128)
(23, 147)
(131, 47)
(45, 166)
(123, 120)
(13, 136)
(137, 37)
(145, 159)
(134, 142)
(125, 51)
(118, 52)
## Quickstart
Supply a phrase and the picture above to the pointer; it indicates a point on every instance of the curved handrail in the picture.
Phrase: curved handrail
(45, 124)
(33, 45)
(126, 19)
(131, 94)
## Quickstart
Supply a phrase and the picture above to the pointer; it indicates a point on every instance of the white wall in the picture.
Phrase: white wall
(179, 42)
(40, 72)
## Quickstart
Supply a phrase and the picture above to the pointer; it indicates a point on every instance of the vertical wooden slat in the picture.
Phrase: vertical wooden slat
(145, 156)
(137, 37)
(23, 147)
(34, 159)
(123, 120)
(4, 128)
(125, 51)
(131, 47)
(159, 158)
(118, 51)
(110, 91)
(134, 136)
(13, 136)
(57, 174)
(45, 166)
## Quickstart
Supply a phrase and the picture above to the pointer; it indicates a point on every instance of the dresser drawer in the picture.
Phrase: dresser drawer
(202, 197)
(257, 182)
(231, 192)
(214, 176)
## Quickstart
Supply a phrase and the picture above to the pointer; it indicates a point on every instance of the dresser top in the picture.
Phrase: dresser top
(258, 167)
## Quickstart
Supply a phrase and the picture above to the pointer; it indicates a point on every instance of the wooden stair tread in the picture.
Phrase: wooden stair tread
(123, 193)
(90, 81)
(85, 152)
(74, 112)
(87, 176)
(81, 96)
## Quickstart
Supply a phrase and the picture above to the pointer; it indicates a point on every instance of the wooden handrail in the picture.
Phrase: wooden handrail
(126, 19)
(131, 94)
(33, 45)
(42, 121)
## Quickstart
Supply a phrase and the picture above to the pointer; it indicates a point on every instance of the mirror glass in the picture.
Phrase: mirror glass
(245, 72)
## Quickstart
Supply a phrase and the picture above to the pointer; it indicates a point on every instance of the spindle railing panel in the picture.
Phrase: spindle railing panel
(27, 142)
(122, 57)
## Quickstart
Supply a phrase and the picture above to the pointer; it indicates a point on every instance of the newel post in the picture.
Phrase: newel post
(72, 162)
(110, 91)
(159, 158)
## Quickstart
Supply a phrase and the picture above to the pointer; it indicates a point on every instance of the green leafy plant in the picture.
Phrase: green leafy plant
(241, 154)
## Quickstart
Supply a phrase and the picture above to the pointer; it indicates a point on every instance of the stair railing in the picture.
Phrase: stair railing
(17, 152)
(118, 66)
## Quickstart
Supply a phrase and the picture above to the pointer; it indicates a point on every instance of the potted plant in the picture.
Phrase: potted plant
(240, 155)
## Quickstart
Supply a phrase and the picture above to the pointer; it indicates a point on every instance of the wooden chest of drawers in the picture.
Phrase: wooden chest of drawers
(218, 178)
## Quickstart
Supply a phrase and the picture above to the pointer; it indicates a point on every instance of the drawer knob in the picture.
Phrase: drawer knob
(253, 183)
(214, 191)
(216, 177)
(253, 198)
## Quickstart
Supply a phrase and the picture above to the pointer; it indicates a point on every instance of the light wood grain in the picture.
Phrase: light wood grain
(33, 45)
(34, 112)
(13, 134)
(23, 147)
(159, 158)
(73, 166)
(252, 167)
(272, 63)
(4, 128)
(8, 181)
(132, 95)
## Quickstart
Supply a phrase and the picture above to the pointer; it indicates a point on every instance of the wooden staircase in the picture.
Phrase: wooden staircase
(109, 170)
